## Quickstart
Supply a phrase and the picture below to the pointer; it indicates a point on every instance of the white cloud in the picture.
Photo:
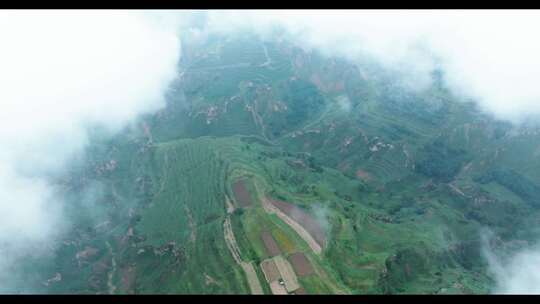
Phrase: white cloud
(515, 274)
(521, 275)
(62, 71)
(491, 56)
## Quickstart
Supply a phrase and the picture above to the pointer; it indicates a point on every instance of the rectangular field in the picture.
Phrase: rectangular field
(301, 264)
(253, 281)
(287, 273)
(303, 218)
(270, 244)
(241, 194)
(277, 289)
(270, 270)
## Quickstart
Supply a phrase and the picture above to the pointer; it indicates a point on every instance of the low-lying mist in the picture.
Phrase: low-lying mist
(489, 56)
(63, 71)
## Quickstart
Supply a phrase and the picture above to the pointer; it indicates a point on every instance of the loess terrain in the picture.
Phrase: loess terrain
(382, 190)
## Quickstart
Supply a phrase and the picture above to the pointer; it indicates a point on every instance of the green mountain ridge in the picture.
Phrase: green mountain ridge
(403, 183)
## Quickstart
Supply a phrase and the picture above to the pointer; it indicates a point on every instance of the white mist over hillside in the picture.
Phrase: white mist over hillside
(63, 71)
(520, 274)
(489, 56)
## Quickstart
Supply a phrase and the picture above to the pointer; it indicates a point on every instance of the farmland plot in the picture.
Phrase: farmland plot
(304, 219)
(301, 264)
(241, 194)
(270, 244)
(270, 270)
(302, 232)
(287, 273)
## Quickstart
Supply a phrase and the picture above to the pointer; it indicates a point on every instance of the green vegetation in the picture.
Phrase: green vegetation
(442, 162)
(402, 182)
(520, 185)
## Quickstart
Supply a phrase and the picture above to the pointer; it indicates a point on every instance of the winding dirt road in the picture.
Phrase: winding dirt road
(251, 275)
(110, 285)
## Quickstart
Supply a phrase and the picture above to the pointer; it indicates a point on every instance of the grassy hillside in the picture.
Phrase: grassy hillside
(402, 182)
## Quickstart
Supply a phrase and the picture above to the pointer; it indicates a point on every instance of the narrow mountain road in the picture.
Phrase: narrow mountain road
(249, 270)
(110, 275)
(268, 60)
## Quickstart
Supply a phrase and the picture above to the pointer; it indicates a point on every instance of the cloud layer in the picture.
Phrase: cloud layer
(519, 275)
(490, 56)
(63, 71)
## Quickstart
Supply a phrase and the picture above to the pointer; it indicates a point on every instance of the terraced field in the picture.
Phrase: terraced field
(241, 194)
(187, 210)
(301, 264)
(278, 170)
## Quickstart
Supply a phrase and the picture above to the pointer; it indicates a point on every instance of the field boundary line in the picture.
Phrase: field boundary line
(247, 267)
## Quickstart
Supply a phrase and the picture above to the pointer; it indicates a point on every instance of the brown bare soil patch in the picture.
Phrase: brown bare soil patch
(270, 244)
(86, 253)
(301, 264)
(300, 291)
(304, 219)
(270, 270)
(128, 279)
(241, 194)
(363, 175)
